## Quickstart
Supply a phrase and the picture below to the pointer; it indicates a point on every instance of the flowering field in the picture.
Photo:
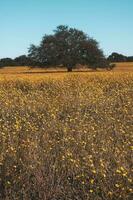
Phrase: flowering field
(66, 136)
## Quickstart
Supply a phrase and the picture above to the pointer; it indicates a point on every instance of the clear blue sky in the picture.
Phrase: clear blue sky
(23, 22)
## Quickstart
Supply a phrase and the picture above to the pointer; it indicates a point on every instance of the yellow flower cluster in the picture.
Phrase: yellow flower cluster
(66, 134)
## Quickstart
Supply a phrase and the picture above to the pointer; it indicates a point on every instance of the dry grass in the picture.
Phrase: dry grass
(125, 67)
(66, 136)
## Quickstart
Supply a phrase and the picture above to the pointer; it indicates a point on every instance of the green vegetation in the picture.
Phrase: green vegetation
(68, 47)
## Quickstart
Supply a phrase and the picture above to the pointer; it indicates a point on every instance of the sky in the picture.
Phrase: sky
(24, 22)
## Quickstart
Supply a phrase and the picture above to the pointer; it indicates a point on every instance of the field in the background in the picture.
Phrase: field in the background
(66, 136)
(123, 67)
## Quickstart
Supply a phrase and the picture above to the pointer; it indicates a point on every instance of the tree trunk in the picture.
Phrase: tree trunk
(69, 69)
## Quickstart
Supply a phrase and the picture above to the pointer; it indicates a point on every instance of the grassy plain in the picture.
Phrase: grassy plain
(66, 136)
(123, 67)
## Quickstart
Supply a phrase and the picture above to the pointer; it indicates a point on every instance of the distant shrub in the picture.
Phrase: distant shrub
(111, 66)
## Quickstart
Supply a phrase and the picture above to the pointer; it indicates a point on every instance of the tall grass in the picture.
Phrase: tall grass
(66, 139)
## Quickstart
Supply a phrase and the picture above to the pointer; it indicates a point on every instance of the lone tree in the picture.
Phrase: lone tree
(68, 47)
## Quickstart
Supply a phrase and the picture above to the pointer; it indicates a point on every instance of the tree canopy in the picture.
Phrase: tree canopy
(22, 60)
(6, 62)
(116, 57)
(68, 47)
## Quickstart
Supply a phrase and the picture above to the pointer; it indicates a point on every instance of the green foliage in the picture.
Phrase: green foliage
(68, 47)
(116, 57)
(6, 62)
(18, 61)
(23, 61)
